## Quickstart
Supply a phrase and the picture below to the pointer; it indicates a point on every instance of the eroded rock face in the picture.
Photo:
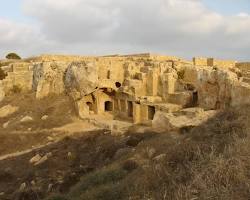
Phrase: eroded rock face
(185, 118)
(135, 88)
(49, 78)
(240, 94)
(81, 79)
(214, 86)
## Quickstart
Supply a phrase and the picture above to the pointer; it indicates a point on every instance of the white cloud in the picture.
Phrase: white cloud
(182, 27)
(17, 37)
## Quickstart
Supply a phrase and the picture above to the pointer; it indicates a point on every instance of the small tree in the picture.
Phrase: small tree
(13, 56)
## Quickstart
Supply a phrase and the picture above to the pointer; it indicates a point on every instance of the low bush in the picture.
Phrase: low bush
(13, 56)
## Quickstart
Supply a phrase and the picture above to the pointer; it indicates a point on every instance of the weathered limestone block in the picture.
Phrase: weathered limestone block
(167, 84)
(240, 94)
(191, 74)
(49, 78)
(134, 87)
(152, 83)
(213, 86)
(168, 107)
(200, 61)
(181, 98)
(175, 121)
(82, 109)
(26, 119)
(81, 79)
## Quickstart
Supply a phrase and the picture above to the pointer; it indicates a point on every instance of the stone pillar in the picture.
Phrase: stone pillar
(152, 83)
(136, 113)
(144, 113)
(168, 85)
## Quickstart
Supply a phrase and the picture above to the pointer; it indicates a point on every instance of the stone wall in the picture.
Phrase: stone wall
(133, 87)
(212, 62)
(19, 74)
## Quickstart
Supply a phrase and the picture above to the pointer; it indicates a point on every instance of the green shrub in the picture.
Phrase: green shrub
(13, 56)
(99, 185)
(103, 177)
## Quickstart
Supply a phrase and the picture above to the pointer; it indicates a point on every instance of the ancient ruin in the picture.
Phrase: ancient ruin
(117, 91)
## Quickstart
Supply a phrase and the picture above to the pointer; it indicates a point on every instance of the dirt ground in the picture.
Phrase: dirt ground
(75, 147)
(71, 158)
(20, 141)
(61, 121)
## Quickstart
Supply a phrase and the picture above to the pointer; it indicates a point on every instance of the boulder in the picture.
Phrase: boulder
(22, 187)
(26, 119)
(35, 159)
(7, 110)
(6, 124)
(163, 122)
(81, 79)
(42, 160)
(45, 117)
(240, 94)
(51, 139)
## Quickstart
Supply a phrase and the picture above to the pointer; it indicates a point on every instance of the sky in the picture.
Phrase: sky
(185, 28)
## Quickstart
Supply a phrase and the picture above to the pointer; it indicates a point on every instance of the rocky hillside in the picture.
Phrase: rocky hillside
(138, 127)
(211, 161)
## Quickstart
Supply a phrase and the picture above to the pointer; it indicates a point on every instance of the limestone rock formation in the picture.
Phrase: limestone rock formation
(81, 79)
(186, 118)
(49, 78)
(214, 86)
(134, 89)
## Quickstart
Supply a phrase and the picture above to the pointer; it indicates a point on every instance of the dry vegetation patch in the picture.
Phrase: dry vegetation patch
(211, 161)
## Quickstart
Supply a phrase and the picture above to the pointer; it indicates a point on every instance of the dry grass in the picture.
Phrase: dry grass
(211, 162)
(21, 136)
(58, 108)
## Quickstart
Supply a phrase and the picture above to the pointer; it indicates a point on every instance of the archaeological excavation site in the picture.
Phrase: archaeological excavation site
(141, 126)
